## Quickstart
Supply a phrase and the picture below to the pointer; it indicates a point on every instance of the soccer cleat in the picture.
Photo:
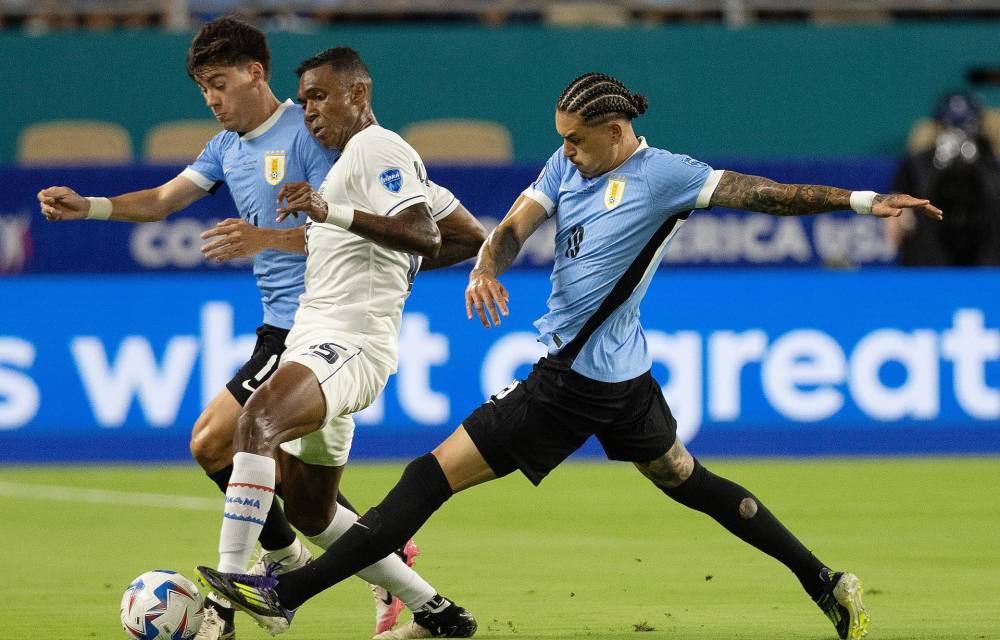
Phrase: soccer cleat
(265, 561)
(449, 621)
(841, 602)
(215, 628)
(251, 594)
(388, 606)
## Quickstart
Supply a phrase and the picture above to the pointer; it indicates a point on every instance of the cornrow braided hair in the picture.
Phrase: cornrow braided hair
(598, 96)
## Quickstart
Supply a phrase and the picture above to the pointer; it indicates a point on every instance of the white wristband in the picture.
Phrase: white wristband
(861, 201)
(100, 209)
(341, 215)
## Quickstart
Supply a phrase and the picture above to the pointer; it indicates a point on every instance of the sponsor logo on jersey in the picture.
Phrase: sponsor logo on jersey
(274, 167)
(615, 191)
(392, 179)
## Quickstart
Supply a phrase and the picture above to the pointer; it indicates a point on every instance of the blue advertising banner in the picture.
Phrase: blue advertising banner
(720, 237)
(752, 362)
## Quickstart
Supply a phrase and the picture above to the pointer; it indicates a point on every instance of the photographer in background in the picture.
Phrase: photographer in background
(961, 175)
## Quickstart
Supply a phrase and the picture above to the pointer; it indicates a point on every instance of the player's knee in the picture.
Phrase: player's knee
(670, 469)
(309, 518)
(210, 445)
(258, 429)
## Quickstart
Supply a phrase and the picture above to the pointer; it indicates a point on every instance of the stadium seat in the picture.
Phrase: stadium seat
(178, 142)
(991, 127)
(74, 142)
(922, 135)
(585, 14)
(460, 141)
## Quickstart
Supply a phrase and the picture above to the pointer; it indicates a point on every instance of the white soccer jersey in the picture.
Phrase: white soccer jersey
(355, 288)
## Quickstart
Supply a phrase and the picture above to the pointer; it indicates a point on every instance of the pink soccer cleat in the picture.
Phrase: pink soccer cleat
(388, 606)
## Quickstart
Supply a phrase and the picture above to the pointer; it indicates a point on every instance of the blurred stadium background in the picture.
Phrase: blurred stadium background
(792, 338)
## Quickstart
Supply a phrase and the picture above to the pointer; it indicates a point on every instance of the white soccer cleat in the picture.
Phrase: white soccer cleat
(299, 558)
(388, 606)
(409, 630)
(213, 627)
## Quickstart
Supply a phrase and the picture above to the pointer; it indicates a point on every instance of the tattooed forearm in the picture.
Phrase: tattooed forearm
(753, 193)
(499, 251)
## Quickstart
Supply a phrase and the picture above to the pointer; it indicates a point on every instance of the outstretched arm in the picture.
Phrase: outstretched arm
(461, 238)
(485, 294)
(235, 238)
(754, 193)
(148, 205)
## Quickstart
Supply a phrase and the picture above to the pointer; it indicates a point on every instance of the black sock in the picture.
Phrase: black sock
(226, 614)
(277, 533)
(421, 490)
(744, 516)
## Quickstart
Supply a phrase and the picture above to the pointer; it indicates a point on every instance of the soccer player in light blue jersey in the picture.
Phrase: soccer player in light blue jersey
(617, 202)
(264, 146)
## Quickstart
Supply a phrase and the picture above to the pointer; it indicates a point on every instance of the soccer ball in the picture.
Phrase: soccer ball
(162, 605)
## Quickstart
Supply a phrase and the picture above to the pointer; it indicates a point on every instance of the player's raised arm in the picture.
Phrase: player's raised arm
(148, 205)
(485, 294)
(754, 193)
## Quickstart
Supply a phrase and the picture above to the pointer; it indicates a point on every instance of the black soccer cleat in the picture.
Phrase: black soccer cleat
(841, 602)
(446, 621)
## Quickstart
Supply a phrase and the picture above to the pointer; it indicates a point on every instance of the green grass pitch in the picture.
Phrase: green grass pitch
(595, 552)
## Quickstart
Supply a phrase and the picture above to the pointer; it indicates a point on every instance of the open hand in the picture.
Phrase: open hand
(485, 294)
(891, 205)
(234, 238)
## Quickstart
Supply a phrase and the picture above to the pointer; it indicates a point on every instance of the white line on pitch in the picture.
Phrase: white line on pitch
(101, 496)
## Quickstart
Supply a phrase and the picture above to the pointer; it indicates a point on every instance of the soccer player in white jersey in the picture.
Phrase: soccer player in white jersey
(371, 226)
(264, 145)
(617, 202)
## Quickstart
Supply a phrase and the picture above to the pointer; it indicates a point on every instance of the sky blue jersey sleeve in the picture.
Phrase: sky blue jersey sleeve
(679, 183)
(206, 170)
(316, 159)
(545, 189)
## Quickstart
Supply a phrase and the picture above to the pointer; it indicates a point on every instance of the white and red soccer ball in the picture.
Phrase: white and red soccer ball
(162, 605)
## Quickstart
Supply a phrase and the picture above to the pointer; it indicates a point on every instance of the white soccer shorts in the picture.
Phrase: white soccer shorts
(350, 382)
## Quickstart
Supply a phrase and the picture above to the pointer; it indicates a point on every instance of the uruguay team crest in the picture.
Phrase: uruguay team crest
(615, 192)
(392, 179)
(274, 167)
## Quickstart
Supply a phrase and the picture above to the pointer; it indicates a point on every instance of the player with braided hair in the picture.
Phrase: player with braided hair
(617, 203)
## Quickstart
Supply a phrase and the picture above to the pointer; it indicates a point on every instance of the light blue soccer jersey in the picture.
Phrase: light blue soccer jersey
(611, 232)
(255, 165)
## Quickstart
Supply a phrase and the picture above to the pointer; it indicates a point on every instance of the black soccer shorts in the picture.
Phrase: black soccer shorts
(264, 362)
(535, 424)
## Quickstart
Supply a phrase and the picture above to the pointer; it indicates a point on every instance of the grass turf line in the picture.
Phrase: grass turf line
(595, 552)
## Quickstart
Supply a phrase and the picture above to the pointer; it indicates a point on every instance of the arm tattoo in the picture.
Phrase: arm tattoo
(753, 193)
(499, 251)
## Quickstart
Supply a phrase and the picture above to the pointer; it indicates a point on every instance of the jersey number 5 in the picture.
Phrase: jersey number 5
(326, 351)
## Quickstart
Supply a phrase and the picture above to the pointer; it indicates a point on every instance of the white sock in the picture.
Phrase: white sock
(389, 572)
(248, 499)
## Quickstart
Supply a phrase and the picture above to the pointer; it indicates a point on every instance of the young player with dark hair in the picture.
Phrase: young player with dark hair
(617, 203)
(264, 146)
